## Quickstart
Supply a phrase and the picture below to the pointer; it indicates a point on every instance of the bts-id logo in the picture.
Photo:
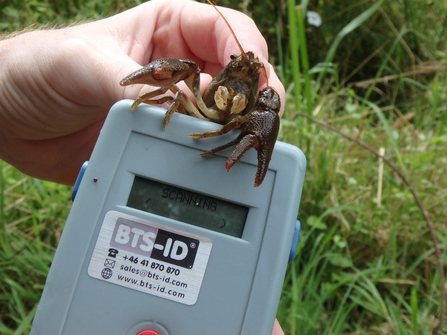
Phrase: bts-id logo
(155, 243)
(180, 250)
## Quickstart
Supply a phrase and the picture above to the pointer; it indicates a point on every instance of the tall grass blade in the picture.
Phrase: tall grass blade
(301, 13)
(354, 24)
(294, 51)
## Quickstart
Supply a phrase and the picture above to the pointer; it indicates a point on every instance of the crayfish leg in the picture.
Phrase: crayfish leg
(225, 129)
(181, 98)
(193, 83)
(243, 144)
(232, 124)
(178, 100)
(147, 98)
(138, 101)
(219, 148)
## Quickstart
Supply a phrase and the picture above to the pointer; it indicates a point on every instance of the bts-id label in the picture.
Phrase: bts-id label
(144, 256)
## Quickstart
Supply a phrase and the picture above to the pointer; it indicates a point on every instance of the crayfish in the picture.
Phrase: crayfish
(231, 99)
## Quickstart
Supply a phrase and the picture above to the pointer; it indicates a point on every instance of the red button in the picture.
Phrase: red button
(148, 332)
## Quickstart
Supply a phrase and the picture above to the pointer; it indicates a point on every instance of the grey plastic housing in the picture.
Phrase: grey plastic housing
(243, 279)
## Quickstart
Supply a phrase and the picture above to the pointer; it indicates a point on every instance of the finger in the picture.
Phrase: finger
(226, 44)
(217, 43)
(277, 330)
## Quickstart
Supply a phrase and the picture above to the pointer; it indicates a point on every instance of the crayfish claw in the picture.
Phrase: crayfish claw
(246, 143)
(264, 155)
(264, 150)
(259, 130)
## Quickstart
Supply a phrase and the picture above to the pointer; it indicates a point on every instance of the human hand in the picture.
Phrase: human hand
(58, 85)
(277, 330)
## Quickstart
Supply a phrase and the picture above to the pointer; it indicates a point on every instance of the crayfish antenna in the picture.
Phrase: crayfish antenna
(264, 72)
(229, 27)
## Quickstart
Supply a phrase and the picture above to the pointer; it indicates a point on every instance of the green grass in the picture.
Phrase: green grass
(32, 215)
(373, 70)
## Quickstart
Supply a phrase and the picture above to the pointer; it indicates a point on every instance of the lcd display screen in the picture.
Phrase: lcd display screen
(186, 206)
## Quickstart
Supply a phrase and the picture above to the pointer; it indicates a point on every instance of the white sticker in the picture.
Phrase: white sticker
(144, 256)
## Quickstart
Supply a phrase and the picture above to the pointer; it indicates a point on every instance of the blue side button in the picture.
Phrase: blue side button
(78, 180)
(296, 234)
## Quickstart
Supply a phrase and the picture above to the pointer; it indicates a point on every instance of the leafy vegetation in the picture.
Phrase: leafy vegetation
(366, 263)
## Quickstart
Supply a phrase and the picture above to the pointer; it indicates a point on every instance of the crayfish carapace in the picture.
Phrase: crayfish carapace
(231, 99)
